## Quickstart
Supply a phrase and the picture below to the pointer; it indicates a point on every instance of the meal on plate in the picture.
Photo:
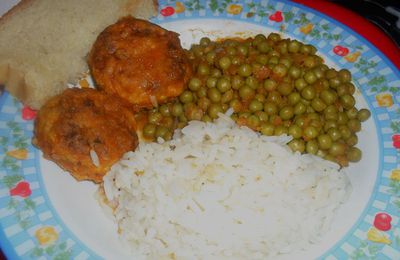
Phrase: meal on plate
(233, 149)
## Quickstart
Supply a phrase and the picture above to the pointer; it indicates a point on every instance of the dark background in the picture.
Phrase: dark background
(375, 11)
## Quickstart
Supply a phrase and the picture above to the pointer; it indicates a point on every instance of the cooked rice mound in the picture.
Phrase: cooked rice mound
(219, 191)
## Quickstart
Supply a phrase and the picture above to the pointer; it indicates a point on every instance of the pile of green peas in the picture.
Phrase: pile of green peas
(275, 86)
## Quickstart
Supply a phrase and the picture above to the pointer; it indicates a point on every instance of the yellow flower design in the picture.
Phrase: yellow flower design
(179, 7)
(377, 236)
(384, 99)
(395, 175)
(46, 235)
(234, 9)
(352, 57)
(20, 154)
(306, 29)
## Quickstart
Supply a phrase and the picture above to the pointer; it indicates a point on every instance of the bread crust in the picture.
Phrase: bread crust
(14, 76)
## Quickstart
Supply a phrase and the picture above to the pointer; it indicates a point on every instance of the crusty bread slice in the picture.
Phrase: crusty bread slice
(44, 43)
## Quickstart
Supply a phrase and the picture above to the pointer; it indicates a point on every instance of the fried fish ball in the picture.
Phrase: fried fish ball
(140, 62)
(85, 132)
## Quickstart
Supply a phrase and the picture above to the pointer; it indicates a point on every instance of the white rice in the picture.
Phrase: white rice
(218, 191)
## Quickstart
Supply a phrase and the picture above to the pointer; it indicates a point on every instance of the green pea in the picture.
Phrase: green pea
(155, 117)
(334, 82)
(342, 118)
(215, 73)
(224, 62)
(201, 92)
(337, 149)
(227, 96)
(236, 105)
(194, 113)
(245, 70)
(341, 90)
(297, 145)
(318, 105)
(294, 72)
(301, 121)
(347, 101)
(363, 114)
(263, 116)
(204, 41)
(344, 131)
(310, 132)
(294, 98)
(149, 130)
(204, 103)
(236, 60)
(271, 108)
(177, 109)
(267, 129)
(354, 125)
(270, 84)
(299, 108)
(260, 97)
(344, 75)
(203, 69)
(211, 82)
(308, 93)
(280, 130)
(309, 62)
(213, 110)
(168, 121)
(274, 37)
(319, 73)
(351, 89)
(282, 47)
(223, 84)
(262, 59)
(300, 84)
(263, 47)
(285, 88)
(273, 61)
(294, 46)
(186, 97)
(328, 96)
(286, 112)
(275, 97)
(252, 82)
(206, 118)
(324, 141)
(160, 131)
(334, 134)
(280, 70)
(194, 84)
(165, 110)
(295, 131)
(352, 113)
(253, 121)
(255, 105)
(214, 95)
(312, 147)
(243, 49)
(352, 140)
(310, 77)
(246, 92)
(236, 82)
(210, 57)
(354, 154)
